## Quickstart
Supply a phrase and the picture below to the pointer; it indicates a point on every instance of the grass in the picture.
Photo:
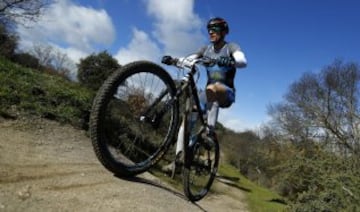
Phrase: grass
(259, 199)
(25, 91)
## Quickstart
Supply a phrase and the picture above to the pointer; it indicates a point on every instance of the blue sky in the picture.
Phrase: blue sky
(282, 39)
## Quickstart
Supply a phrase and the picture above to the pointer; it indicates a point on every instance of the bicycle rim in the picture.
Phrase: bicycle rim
(133, 118)
(200, 168)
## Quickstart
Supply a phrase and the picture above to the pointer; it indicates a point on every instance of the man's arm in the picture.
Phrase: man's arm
(238, 55)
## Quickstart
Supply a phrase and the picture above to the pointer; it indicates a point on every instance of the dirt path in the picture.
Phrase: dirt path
(45, 166)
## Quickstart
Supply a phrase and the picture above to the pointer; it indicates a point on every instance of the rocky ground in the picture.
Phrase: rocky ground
(46, 166)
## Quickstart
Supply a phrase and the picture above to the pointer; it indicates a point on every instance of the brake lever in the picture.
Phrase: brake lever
(209, 61)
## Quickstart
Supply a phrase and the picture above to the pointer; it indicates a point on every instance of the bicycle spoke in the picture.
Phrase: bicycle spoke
(119, 127)
(201, 169)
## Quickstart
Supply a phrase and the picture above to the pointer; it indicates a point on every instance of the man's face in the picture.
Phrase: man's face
(215, 34)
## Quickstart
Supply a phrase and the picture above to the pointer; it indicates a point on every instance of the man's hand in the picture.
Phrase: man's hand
(168, 60)
(225, 61)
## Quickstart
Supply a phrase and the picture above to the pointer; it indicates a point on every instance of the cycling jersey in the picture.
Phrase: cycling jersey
(218, 73)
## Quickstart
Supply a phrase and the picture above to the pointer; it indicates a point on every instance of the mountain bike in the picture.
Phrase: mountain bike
(136, 116)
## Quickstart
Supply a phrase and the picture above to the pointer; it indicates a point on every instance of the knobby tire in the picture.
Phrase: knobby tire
(192, 163)
(117, 124)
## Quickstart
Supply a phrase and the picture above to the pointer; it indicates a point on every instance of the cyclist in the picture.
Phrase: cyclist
(220, 90)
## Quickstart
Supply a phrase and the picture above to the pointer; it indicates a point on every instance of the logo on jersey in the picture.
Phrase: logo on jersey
(217, 73)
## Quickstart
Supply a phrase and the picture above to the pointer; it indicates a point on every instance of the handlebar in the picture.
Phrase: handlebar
(189, 63)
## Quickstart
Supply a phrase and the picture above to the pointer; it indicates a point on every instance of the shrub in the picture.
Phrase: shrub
(25, 91)
(321, 182)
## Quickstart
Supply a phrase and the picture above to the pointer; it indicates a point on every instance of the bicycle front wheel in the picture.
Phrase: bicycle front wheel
(201, 167)
(134, 118)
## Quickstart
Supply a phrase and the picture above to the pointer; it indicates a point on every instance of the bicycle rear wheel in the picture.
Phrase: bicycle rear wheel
(134, 118)
(201, 164)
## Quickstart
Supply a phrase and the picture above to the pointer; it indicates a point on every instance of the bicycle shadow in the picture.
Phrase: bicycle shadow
(231, 181)
(137, 179)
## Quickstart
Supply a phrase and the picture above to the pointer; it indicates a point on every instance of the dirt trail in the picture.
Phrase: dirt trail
(45, 166)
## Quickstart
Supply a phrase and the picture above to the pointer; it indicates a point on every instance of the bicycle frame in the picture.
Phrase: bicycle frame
(189, 87)
(191, 91)
(193, 164)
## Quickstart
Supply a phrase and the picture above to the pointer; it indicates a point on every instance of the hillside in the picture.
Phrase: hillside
(47, 162)
(28, 92)
(47, 166)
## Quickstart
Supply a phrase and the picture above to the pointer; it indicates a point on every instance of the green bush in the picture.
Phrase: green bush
(8, 42)
(321, 182)
(26, 60)
(25, 91)
(94, 69)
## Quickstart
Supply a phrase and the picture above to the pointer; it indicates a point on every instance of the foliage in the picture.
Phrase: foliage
(43, 58)
(94, 69)
(240, 148)
(52, 58)
(8, 42)
(26, 60)
(309, 151)
(324, 106)
(250, 154)
(316, 132)
(26, 91)
(319, 181)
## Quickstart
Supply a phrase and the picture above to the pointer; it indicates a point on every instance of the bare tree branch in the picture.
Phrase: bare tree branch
(22, 11)
(325, 103)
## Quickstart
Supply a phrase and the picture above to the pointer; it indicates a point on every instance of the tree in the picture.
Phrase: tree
(94, 69)
(43, 54)
(49, 56)
(51, 59)
(26, 60)
(324, 107)
(320, 112)
(8, 42)
(18, 11)
(242, 150)
(61, 61)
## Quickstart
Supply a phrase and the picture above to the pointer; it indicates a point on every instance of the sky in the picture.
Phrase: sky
(281, 39)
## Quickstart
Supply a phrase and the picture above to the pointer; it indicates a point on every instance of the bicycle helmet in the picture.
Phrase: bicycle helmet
(218, 24)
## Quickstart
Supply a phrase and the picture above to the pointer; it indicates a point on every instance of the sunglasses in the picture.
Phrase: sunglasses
(215, 29)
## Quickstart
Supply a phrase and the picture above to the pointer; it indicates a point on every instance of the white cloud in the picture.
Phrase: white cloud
(176, 26)
(74, 53)
(230, 119)
(140, 47)
(234, 124)
(78, 29)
